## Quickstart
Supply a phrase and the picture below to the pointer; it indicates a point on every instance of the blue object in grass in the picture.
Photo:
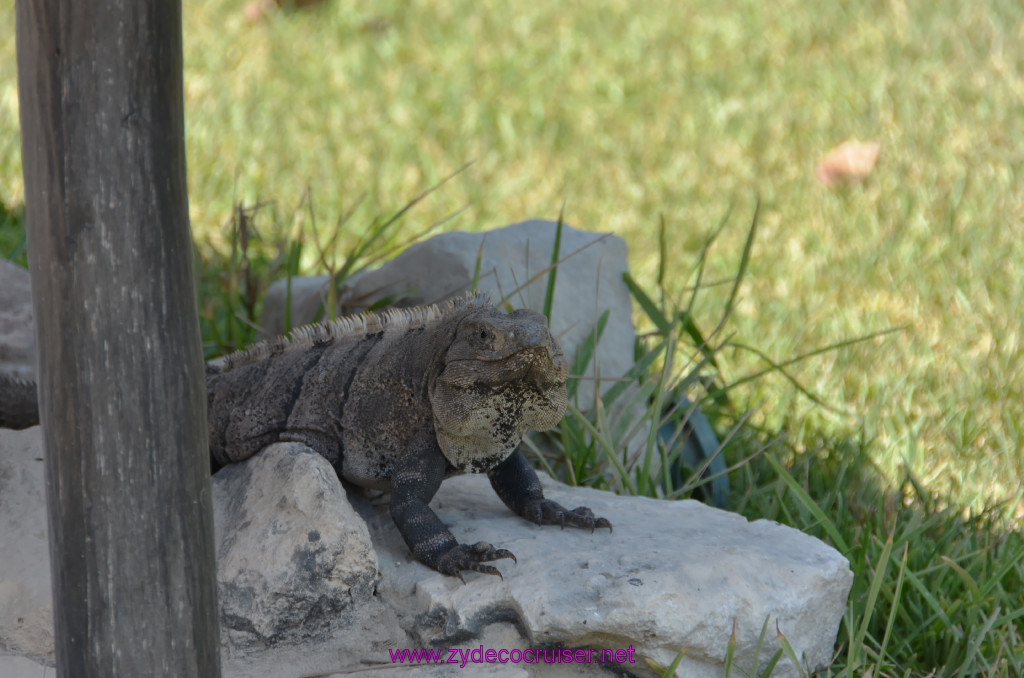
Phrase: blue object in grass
(696, 442)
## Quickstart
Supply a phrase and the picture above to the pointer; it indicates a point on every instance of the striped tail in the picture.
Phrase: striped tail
(18, 407)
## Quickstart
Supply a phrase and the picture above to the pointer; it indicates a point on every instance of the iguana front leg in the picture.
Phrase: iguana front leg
(413, 485)
(517, 485)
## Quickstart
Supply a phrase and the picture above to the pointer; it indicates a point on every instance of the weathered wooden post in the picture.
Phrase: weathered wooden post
(122, 392)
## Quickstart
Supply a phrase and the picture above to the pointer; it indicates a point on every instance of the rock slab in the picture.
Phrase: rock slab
(284, 573)
(672, 575)
(26, 602)
(513, 265)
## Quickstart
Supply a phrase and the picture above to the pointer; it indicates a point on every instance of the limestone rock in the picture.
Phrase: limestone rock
(513, 262)
(26, 603)
(13, 666)
(308, 295)
(17, 330)
(671, 575)
(293, 558)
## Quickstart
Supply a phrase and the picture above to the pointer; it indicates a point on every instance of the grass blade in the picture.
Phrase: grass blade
(876, 585)
(744, 258)
(648, 306)
(809, 504)
(549, 293)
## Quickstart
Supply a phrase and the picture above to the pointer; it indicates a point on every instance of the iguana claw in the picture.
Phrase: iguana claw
(547, 512)
(471, 557)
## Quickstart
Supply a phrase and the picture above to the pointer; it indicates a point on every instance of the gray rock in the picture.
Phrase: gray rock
(17, 330)
(13, 666)
(26, 603)
(672, 575)
(307, 295)
(293, 558)
(513, 263)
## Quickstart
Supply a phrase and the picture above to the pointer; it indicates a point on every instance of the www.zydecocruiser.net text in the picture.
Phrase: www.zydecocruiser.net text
(478, 655)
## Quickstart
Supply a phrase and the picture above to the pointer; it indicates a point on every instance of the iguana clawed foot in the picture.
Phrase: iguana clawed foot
(547, 512)
(471, 557)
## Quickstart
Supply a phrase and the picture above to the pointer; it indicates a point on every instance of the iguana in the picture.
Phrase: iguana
(18, 407)
(398, 401)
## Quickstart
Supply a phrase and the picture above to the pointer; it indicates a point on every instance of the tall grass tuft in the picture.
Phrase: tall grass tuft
(938, 590)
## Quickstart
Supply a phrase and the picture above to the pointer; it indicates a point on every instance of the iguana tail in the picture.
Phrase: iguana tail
(18, 407)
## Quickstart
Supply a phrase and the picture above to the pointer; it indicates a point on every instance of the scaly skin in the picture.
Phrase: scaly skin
(398, 401)
(18, 407)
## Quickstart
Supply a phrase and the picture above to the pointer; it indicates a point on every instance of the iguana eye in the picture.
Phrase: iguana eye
(483, 335)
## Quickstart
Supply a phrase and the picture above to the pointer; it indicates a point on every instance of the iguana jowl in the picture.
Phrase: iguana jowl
(400, 401)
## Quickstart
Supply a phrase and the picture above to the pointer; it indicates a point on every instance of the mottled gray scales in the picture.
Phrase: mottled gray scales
(399, 401)
(18, 408)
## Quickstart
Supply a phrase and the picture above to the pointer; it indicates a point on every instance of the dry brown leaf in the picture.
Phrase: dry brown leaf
(848, 162)
(256, 10)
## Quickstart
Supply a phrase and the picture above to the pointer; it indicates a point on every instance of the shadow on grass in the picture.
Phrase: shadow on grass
(935, 592)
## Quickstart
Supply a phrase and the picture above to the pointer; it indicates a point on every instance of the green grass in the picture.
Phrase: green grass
(633, 111)
(634, 114)
(936, 591)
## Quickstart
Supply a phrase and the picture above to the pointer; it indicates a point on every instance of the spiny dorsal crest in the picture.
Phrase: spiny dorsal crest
(347, 327)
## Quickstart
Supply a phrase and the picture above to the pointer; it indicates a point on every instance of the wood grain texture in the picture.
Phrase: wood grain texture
(120, 366)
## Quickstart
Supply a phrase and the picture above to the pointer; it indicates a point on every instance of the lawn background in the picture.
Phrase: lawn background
(634, 113)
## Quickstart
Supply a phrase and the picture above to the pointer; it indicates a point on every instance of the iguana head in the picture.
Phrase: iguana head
(503, 375)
